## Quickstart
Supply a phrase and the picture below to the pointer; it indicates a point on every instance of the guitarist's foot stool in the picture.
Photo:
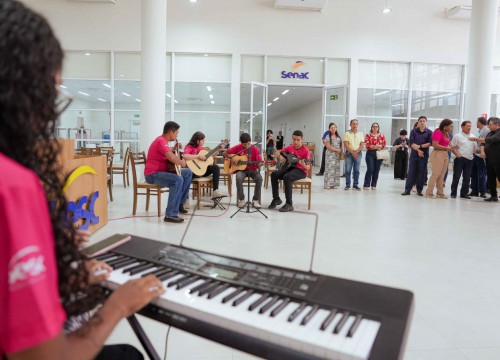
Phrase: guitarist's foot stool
(217, 203)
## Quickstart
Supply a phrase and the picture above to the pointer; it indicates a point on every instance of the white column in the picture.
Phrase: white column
(235, 99)
(153, 70)
(483, 29)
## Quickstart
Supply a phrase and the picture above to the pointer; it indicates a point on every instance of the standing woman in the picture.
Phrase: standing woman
(270, 145)
(401, 158)
(43, 276)
(374, 141)
(333, 144)
(439, 159)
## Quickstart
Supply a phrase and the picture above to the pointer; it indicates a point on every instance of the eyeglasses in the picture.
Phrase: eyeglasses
(62, 102)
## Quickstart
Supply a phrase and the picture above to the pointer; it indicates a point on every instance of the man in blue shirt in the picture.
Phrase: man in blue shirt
(420, 142)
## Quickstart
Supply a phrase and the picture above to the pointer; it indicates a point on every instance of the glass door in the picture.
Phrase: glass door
(258, 114)
(335, 108)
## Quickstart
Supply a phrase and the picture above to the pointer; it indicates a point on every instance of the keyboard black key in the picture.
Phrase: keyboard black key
(341, 322)
(229, 297)
(130, 268)
(269, 304)
(168, 275)
(187, 282)
(297, 311)
(280, 307)
(309, 315)
(208, 288)
(258, 302)
(141, 268)
(201, 286)
(175, 282)
(354, 325)
(328, 319)
(157, 272)
(119, 259)
(218, 290)
(245, 296)
(123, 264)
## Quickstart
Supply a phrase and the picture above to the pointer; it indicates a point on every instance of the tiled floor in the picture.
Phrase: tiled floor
(446, 251)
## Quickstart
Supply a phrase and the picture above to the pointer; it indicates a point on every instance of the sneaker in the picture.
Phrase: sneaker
(482, 195)
(364, 188)
(173, 219)
(256, 204)
(491, 199)
(186, 204)
(405, 193)
(453, 196)
(472, 193)
(275, 203)
(218, 194)
(241, 203)
(419, 193)
(286, 208)
(319, 174)
(374, 188)
(356, 188)
(347, 188)
(182, 210)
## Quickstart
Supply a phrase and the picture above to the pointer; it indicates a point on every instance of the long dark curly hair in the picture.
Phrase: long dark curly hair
(30, 60)
(197, 136)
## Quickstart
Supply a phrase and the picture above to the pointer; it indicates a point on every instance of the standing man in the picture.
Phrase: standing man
(279, 140)
(323, 154)
(420, 142)
(354, 142)
(291, 173)
(478, 176)
(490, 148)
(155, 172)
(463, 160)
(252, 170)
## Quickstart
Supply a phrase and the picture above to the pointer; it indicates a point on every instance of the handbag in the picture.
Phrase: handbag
(342, 155)
(383, 154)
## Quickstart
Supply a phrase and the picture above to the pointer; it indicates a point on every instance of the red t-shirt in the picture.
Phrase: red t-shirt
(157, 161)
(302, 153)
(371, 141)
(443, 140)
(191, 150)
(240, 151)
(30, 309)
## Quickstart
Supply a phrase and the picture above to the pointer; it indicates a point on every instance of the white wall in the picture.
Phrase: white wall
(414, 31)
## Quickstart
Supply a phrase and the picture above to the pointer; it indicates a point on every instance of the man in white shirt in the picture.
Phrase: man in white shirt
(463, 160)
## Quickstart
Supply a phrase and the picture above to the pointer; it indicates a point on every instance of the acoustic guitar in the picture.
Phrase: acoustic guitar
(171, 167)
(291, 160)
(199, 167)
(241, 163)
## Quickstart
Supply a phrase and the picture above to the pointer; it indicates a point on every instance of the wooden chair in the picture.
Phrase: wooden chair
(123, 168)
(269, 168)
(226, 177)
(142, 187)
(109, 157)
(88, 151)
(305, 183)
(199, 185)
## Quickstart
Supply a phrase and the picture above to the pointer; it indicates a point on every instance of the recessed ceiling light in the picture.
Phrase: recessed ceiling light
(101, 99)
(284, 92)
(386, 10)
(138, 100)
(87, 54)
(175, 101)
(209, 88)
(121, 75)
(81, 92)
(276, 99)
(124, 93)
(213, 102)
(167, 94)
(205, 54)
(211, 96)
(193, 1)
(64, 87)
(107, 85)
(269, 104)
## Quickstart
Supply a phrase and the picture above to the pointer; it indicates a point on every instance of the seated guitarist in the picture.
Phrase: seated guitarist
(290, 173)
(252, 170)
(155, 172)
(191, 152)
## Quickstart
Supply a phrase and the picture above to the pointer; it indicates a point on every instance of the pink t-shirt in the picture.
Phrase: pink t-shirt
(157, 161)
(302, 153)
(240, 151)
(30, 310)
(191, 150)
(443, 140)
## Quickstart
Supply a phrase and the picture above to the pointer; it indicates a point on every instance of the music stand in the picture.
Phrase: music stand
(248, 203)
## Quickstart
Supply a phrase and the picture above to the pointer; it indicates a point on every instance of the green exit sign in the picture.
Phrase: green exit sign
(334, 97)
(136, 116)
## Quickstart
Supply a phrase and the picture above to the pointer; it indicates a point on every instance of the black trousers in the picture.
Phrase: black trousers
(461, 166)
(493, 171)
(401, 164)
(215, 170)
(119, 352)
(288, 176)
(323, 155)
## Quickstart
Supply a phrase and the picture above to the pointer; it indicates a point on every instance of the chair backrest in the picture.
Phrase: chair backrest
(89, 151)
(136, 159)
(110, 154)
(126, 158)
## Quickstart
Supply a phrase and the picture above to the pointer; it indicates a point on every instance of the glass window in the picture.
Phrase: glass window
(383, 75)
(252, 68)
(434, 104)
(337, 72)
(437, 77)
(214, 126)
(202, 96)
(203, 67)
(382, 102)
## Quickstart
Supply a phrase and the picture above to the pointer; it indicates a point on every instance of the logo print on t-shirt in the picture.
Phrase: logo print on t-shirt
(25, 265)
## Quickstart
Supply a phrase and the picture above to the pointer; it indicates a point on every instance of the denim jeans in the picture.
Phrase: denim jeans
(478, 176)
(461, 165)
(178, 188)
(372, 168)
(350, 164)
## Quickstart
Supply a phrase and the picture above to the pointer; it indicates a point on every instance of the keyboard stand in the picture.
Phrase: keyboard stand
(143, 338)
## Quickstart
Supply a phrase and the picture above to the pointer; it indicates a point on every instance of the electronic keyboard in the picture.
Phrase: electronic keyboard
(268, 311)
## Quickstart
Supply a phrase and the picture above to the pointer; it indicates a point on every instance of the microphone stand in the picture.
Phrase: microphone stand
(248, 203)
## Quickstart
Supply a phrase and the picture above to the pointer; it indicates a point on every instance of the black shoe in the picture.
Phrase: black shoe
(492, 199)
(319, 174)
(482, 195)
(406, 193)
(419, 193)
(464, 197)
(356, 188)
(472, 193)
(454, 196)
(182, 210)
(173, 219)
(286, 208)
(275, 203)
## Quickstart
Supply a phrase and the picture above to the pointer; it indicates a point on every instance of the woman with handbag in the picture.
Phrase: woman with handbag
(376, 153)
(333, 144)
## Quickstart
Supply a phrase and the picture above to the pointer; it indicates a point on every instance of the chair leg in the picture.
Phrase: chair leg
(148, 193)
(128, 179)
(124, 183)
(309, 205)
(159, 202)
(199, 195)
(110, 187)
(135, 201)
